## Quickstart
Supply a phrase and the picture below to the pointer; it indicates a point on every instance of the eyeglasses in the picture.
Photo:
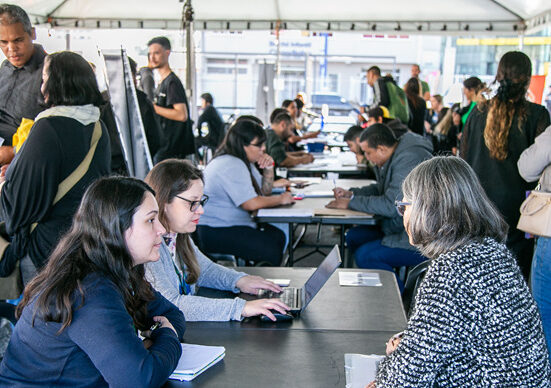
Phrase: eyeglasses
(401, 207)
(259, 145)
(194, 205)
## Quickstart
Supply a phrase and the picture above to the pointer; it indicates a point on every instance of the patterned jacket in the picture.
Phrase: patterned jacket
(475, 324)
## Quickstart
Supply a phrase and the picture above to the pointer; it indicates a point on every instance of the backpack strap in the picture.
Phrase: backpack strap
(69, 182)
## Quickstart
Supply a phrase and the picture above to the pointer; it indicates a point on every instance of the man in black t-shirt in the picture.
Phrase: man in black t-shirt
(170, 105)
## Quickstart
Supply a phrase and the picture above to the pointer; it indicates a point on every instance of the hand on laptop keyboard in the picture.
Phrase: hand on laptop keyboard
(264, 306)
(251, 284)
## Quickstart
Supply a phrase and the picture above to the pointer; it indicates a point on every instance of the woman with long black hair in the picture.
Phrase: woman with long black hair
(235, 189)
(495, 135)
(417, 106)
(57, 144)
(78, 317)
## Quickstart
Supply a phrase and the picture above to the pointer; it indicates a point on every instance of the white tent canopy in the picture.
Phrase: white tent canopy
(396, 16)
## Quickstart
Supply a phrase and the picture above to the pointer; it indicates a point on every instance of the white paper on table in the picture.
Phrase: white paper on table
(284, 212)
(360, 369)
(359, 279)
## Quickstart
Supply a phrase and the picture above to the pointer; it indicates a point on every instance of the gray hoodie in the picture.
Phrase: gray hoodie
(379, 197)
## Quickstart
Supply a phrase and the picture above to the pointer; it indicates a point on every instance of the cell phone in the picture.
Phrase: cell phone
(156, 325)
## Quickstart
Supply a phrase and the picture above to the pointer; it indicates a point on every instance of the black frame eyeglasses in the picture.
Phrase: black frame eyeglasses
(194, 205)
(401, 207)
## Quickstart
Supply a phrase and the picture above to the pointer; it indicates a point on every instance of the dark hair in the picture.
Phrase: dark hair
(449, 207)
(514, 74)
(417, 65)
(299, 103)
(252, 118)
(71, 81)
(241, 134)
(160, 40)
(375, 113)
(456, 108)
(438, 98)
(473, 83)
(375, 70)
(353, 133)
(286, 103)
(283, 116)
(276, 112)
(13, 14)
(170, 178)
(94, 244)
(412, 92)
(378, 135)
(207, 97)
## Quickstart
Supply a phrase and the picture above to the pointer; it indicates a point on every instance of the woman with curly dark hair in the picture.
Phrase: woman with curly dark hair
(495, 135)
(78, 317)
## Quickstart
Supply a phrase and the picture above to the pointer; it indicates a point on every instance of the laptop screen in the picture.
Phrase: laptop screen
(321, 275)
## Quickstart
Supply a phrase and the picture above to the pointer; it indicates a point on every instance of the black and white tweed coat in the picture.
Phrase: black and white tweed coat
(475, 324)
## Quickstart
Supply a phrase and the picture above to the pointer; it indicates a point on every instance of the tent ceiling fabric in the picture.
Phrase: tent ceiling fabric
(421, 16)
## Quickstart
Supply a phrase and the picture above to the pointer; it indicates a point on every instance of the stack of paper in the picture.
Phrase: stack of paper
(360, 369)
(195, 360)
(359, 279)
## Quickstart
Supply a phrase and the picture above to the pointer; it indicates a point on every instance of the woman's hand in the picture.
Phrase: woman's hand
(164, 323)
(371, 384)
(251, 284)
(265, 161)
(286, 199)
(263, 306)
(393, 342)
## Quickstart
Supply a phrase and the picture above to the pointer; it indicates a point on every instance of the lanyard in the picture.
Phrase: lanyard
(184, 288)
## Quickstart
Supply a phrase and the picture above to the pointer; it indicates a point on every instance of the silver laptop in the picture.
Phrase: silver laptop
(298, 298)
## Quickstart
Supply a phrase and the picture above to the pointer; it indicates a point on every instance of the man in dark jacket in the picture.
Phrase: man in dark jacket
(211, 117)
(384, 246)
(20, 75)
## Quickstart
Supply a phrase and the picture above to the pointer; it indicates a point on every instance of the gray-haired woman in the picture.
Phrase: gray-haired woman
(474, 322)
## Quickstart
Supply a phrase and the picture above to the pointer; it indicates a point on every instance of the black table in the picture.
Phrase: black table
(335, 307)
(309, 351)
(281, 358)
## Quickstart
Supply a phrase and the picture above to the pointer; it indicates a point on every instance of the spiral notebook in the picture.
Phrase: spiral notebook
(195, 360)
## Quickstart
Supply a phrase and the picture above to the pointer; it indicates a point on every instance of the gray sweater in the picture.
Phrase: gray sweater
(379, 197)
(162, 276)
(535, 159)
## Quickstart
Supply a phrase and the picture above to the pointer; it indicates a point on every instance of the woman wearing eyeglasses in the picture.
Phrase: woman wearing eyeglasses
(474, 322)
(236, 189)
(178, 189)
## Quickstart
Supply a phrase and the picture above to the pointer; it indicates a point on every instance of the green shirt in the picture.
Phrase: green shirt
(466, 115)
(275, 147)
(424, 88)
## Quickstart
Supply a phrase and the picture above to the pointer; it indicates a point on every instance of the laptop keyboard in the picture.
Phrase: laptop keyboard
(289, 296)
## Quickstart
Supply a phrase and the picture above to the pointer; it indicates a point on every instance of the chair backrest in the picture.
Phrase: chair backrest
(414, 279)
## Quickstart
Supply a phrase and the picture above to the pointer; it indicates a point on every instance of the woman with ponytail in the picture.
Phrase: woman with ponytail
(495, 135)
(235, 189)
